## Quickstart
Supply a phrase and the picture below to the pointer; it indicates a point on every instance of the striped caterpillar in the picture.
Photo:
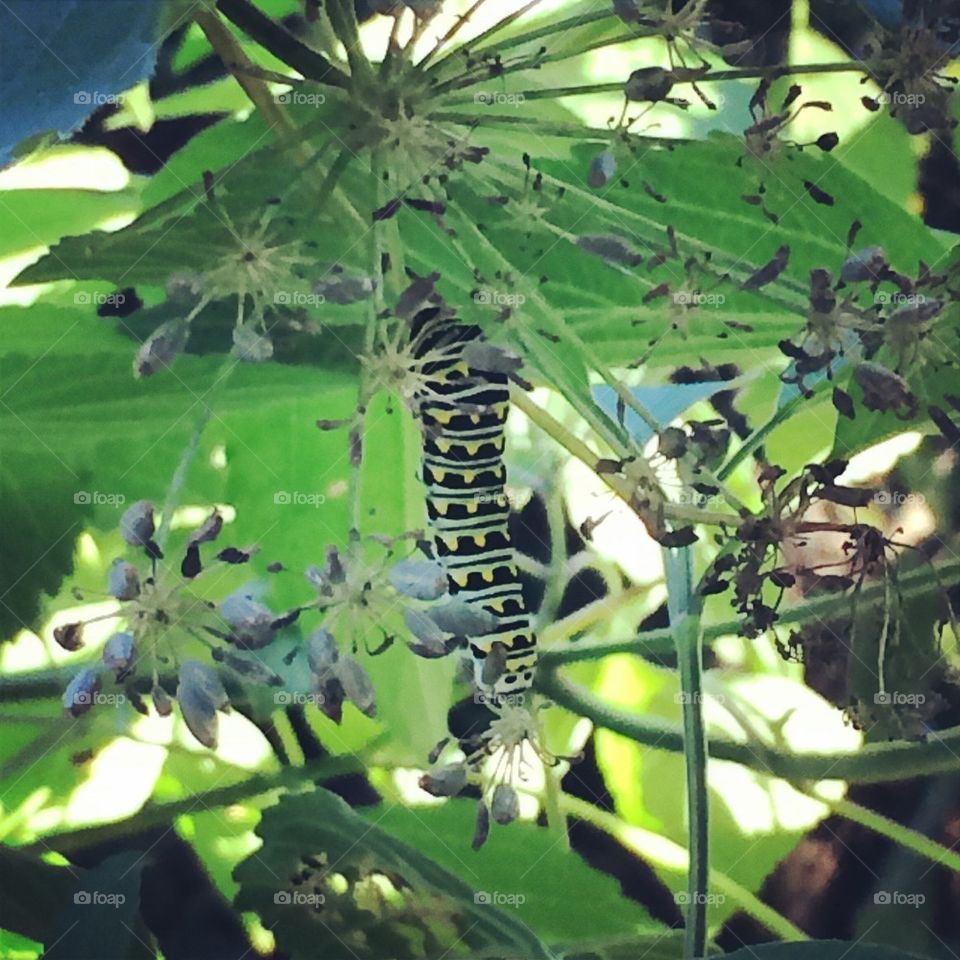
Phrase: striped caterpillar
(462, 399)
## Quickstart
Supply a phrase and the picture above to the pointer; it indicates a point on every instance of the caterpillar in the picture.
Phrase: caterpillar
(462, 400)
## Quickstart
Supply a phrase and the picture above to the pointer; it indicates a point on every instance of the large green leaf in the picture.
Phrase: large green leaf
(103, 922)
(337, 885)
(524, 862)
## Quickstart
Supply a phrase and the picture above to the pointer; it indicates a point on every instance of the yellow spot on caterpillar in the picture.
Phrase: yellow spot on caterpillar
(474, 417)
(469, 476)
(438, 475)
(480, 539)
(451, 542)
(441, 416)
(461, 368)
(487, 576)
(441, 508)
(496, 605)
(472, 507)
(472, 447)
(513, 569)
(443, 446)
(460, 579)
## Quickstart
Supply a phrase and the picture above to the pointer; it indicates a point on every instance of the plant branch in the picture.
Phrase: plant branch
(344, 21)
(243, 71)
(670, 857)
(620, 485)
(190, 451)
(547, 128)
(163, 814)
(745, 73)
(871, 764)
(475, 46)
(905, 836)
(653, 642)
(683, 606)
(281, 42)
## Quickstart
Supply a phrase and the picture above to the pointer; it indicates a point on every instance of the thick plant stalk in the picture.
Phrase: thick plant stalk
(873, 763)
(281, 43)
(683, 607)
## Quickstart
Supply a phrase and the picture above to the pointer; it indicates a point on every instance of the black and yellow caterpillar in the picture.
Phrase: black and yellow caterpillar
(462, 410)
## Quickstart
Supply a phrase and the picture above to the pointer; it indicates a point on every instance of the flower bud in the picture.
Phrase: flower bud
(119, 653)
(445, 781)
(506, 804)
(123, 581)
(420, 579)
(356, 685)
(137, 524)
(81, 692)
(69, 636)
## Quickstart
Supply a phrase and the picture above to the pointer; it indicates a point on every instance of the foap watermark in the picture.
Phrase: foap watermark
(499, 298)
(94, 98)
(694, 498)
(83, 298)
(500, 499)
(897, 98)
(898, 299)
(501, 700)
(897, 898)
(288, 698)
(490, 98)
(684, 899)
(97, 498)
(297, 298)
(495, 898)
(98, 898)
(299, 98)
(896, 498)
(695, 298)
(297, 498)
(896, 698)
(699, 698)
(94, 698)
(298, 898)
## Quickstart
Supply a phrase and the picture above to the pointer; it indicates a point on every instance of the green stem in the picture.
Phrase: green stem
(190, 451)
(670, 857)
(547, 128)
(227, 47)
(586, 617)
(746, 73)
(476, 45)
(911, 839)
(622, 487)
(655, 642)
(873, 763)
(162, 814)
(344, 21)
(684, 611)
(461, 21)
(281, 43)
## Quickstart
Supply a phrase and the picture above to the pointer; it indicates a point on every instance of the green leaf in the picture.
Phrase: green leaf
(32, 893)
(369, 890)
(103, 922)
(520, 861)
